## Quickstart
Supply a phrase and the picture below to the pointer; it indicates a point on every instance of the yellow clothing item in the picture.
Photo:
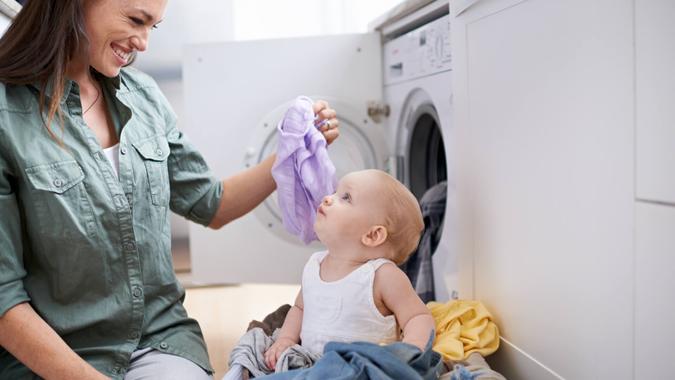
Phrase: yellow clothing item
(463, 327)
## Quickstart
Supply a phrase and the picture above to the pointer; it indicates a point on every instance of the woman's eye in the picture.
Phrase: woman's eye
(137, 20)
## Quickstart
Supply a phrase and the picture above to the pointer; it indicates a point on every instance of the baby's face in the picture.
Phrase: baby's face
(348, 214)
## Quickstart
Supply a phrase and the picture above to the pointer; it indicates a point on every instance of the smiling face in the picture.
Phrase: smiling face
(118, 28)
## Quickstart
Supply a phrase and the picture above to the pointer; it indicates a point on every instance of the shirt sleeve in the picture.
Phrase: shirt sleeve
(12, 270)
(195, 192)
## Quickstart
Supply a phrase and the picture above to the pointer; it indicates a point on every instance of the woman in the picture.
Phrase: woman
(90, 163)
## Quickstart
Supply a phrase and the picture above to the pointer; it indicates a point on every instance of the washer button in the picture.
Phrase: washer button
(163, 346)
(58, 182)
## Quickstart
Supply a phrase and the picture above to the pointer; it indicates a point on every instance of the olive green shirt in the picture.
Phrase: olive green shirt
(91, 252)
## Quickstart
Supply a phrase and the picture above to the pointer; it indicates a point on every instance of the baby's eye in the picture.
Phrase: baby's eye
(346, 197)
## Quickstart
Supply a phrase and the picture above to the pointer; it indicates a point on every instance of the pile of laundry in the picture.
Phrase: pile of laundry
(464, 335)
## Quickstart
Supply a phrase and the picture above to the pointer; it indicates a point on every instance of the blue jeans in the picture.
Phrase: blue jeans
(363, 361)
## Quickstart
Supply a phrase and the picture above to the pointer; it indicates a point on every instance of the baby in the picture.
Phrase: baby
(354, 291)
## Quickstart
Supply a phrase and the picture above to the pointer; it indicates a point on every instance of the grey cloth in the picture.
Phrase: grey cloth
(250, 354)
(419, 266)
(236, 372)
(150, 364)
(472, 368)
(296, 357)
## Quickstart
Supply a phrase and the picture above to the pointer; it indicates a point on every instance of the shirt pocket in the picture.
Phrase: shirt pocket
(154, 151)
(60, 201)
(57, 177)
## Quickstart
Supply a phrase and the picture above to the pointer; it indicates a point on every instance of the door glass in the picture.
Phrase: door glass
(427, 161)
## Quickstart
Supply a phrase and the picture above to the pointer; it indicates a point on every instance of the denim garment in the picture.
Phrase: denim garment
(303, 171)
(363, 361)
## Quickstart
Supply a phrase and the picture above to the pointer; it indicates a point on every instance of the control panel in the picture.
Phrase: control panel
(420, 52)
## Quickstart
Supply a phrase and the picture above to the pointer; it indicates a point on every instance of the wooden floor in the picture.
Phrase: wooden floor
(224, 312)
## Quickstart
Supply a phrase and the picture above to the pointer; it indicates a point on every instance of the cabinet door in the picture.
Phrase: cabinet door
(654, 291)
(655, 98)
(545, 132)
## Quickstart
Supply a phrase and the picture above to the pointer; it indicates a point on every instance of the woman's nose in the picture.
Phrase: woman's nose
(140, 42)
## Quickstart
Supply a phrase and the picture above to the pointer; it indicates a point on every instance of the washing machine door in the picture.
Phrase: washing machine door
(235, 95)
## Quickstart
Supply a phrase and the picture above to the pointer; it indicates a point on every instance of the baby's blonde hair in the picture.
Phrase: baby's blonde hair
(403, 217)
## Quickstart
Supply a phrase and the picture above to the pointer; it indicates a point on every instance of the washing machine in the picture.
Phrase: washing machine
(417, 90)
(391, 118)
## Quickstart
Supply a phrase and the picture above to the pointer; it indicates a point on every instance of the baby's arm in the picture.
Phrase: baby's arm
(398, 295)
(289, 334)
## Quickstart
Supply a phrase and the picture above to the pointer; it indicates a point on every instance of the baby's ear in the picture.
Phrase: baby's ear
(375, 236)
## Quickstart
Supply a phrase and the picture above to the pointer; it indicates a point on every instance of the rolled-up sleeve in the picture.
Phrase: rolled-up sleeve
(12, 270)
(195, 192)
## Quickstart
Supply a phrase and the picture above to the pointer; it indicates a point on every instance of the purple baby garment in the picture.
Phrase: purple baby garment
(303, 171)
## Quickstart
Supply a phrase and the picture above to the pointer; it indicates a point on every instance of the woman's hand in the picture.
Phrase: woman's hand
(276, 349)
(330, 128)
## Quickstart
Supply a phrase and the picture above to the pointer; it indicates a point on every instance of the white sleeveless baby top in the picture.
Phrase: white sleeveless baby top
(342, 310)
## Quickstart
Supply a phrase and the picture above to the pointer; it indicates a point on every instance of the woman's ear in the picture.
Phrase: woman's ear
(375, 236)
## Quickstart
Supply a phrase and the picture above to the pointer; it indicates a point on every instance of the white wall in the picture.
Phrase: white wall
(260, 19)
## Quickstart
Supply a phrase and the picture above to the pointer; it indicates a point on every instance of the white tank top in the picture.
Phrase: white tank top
(342, 310)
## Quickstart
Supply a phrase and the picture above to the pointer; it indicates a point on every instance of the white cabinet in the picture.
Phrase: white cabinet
(654, 291)
(544, 100)
(655, 91)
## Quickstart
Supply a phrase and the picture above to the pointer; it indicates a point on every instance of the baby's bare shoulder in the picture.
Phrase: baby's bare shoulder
(390, 278)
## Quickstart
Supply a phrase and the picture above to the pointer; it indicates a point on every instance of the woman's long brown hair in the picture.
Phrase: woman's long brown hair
(42, 39)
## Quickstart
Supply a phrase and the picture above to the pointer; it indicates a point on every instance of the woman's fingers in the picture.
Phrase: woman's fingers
(319, 105)
(326, 117)
(326, 114)
(331, 135)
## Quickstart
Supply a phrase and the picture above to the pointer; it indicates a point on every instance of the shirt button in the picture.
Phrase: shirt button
(134, 335)
(58, 182)
(163, 346)
(136, 292)
(159, 152)
(123, 150)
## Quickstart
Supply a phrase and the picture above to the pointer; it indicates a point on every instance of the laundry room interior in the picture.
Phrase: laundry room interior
(537, 136)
